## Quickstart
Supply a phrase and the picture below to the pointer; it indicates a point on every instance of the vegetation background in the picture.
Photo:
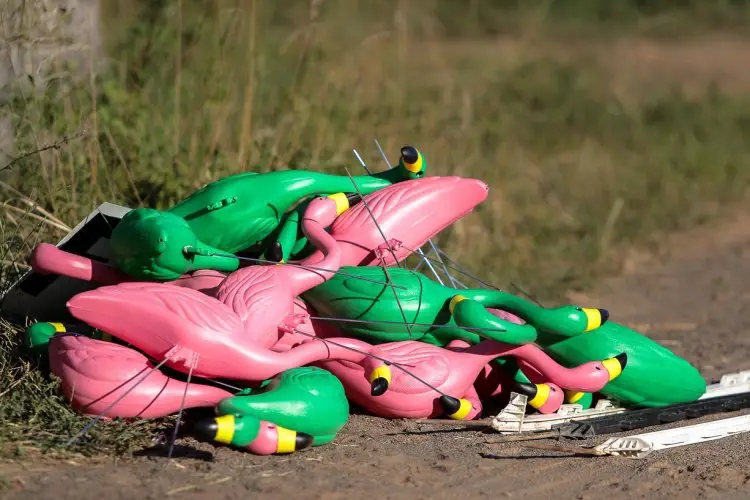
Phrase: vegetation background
(591, 141)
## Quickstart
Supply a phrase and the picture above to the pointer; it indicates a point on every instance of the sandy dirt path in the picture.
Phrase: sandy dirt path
(693, 296)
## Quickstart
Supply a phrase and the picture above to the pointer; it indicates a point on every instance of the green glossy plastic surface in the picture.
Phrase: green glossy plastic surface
(37, 336)
(654, 375)
(229, 215)
(306, 399)
(246, 429)
(425, 302)
(149, 244)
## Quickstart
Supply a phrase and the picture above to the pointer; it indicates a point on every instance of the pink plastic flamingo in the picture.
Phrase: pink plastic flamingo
(191, 329)
(409, 213)
(452, 371)
(95, 374)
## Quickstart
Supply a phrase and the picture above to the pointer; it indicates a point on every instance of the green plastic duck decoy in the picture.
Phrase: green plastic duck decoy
(298, 408)
(37, 335)
(426, 303)
(572, 335)
(655, 375)
(235, 213)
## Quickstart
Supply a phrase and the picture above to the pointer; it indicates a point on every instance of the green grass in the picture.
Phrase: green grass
(36, 418)
(579, 169)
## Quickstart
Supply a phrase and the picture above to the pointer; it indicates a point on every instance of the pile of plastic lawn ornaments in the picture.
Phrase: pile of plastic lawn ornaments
(279, 298)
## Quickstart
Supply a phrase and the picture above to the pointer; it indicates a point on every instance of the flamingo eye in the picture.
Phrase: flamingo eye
(578, 308)
(599, 368)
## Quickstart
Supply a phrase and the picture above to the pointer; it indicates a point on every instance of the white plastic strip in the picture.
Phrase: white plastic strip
(730, 383)
(642, 445)
(505, 424)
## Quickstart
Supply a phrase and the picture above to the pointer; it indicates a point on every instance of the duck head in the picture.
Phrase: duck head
(411, 163)
(257, 436)
(150, 244)
(569, 321)
(308, 399)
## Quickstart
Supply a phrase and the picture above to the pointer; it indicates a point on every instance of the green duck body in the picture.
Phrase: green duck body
(306, 399)
(654, 375)
(423, 301)
(241, 210)
(235, 213)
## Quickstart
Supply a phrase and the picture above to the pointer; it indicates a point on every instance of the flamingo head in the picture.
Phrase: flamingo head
(150, 244)
(545, 398)
(411, 163)
(325, 209)
(594, 375)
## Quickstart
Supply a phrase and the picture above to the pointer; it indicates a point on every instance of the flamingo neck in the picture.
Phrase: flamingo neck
(533, 356)
(320, 213)
(267, 364)
(48, 259)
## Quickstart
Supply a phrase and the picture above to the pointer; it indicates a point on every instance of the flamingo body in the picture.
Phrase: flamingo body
(452, 370)
(96, 373)
(410, 212)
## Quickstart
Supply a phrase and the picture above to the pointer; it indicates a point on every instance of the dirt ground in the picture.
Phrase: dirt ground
(692, 296)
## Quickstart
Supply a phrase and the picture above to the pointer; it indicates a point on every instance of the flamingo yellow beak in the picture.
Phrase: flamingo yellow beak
(537, 394)
(616, 365)
(457, 409)
(380, 379)
(219, 429)
(344, 201)
(291, 441)
(224, 428)
(595, 318)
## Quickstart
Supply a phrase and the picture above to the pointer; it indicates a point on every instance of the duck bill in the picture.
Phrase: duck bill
(219, 429)
(595, 318)
(411, 160)
(616, 365)
(205, 257)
